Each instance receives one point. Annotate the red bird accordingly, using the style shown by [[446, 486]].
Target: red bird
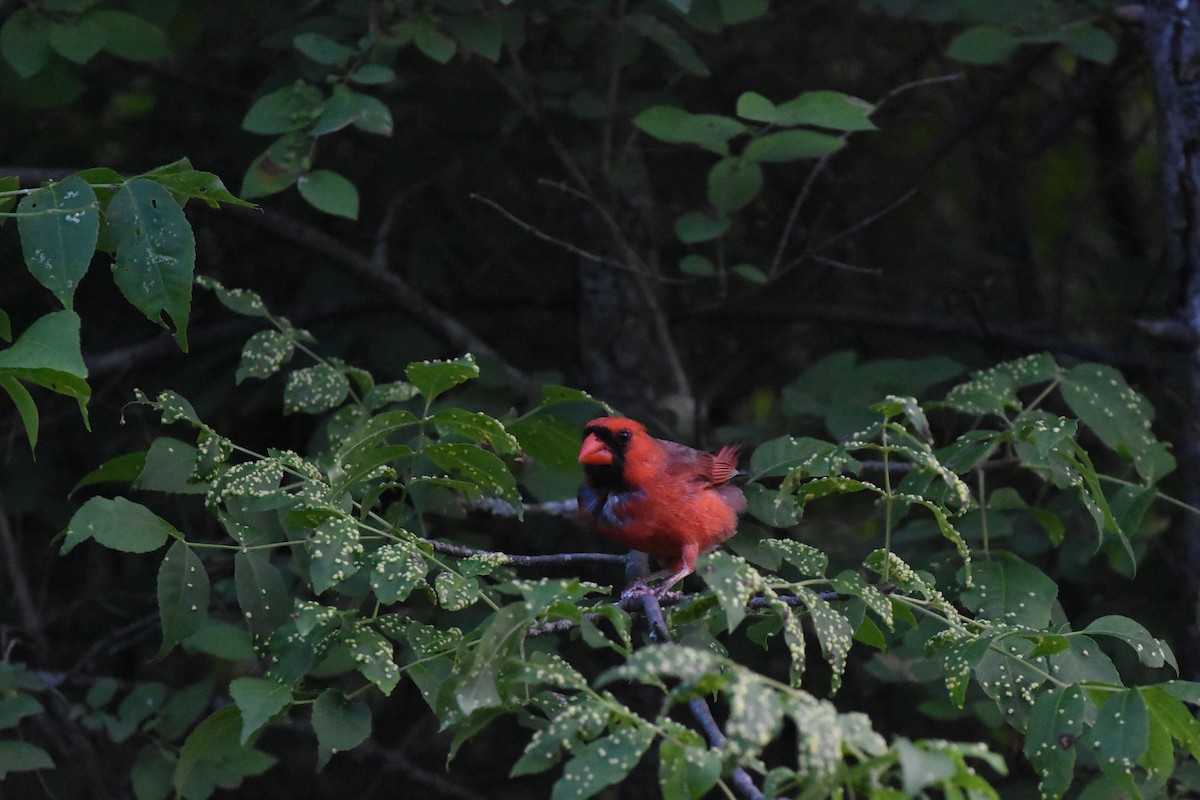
[[660, 497]]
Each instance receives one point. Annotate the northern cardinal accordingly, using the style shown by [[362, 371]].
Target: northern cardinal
[[659, 497]]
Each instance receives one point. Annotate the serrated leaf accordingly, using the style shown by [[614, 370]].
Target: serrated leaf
[[477, 427], [480, 468], [156, 253], [602, 763], [59, 226], [258, 699], [182, 595], [314, 389], [340, 724], [733, 182], [261, 592], [118, 524], [432, 378]]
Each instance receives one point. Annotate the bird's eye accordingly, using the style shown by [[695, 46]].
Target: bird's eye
[[623, 437]]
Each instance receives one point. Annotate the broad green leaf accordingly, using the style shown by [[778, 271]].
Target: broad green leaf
[[579, 721], [59, 226], [602, 763], [1169, 712], [118, 524], [167, 467], [130, 36], [372, 655], [791, 146], [480, 468], [348, 107], [340, 724], [1011, 592], [432, 42], [153, 768], [674, 45], [550, 669], [334, 550], [454, 592], [676, 126], [18, 756], [48, 354], [983, 44], [693, 667], [25, 43], [285, 110], [330, 192], [833, 632], [993, 390], [1056, 725], [777, 457], [16, 707], [755, 716], [733, 581], [222, 639], [1010, 675], [1150, 651], [686, 771], [264, 354], [258, 699], [698, 265], [278, 167], [213, 755], [821, 109], [26, 409], [477, 427], [1090, 42], [156, 253], [809, 560], [395, 570], [314, 389], [1121, 731], [261, 592], [182, 595], [478, 33], [322, 49], [549, 440], [959, 660], [697, 226], [434, 377], [733, 182]]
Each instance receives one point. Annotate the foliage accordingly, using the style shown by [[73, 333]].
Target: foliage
[[912, 524]]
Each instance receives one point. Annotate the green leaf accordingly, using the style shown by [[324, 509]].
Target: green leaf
[[334, 549], [1090, 42], [239, 301], [432, 42], [315, 389], [755, 716], [749, 272], [151, 774], [698, 265], [330, 192], [549, 440], [203, 186], [1150, 651], [129, 36], [156, 253], [602, 763], [16, 707], [25, 42], [1169, 712], [697, 226], [675, 46], [261, 592], [455, 592], [983, 44], [48, 354], [182, 595], [22, 757], [792, 146], [1121, 731], [686, 771], [1011, 592], [733, 182], [77, 40], [477, 427], [59, 226], [478, 33], [735, 12], [1052, 739], [480, 468], [833, 632], [733, 581], [373, 75], [821, 109], [213, 755], [396, 569], [809, 560], [26, 408], [264, 354], [223, 640], [118, 524], [434, 377], [348, 107], [372, 654], [340, 724], [676, 126], [167, 467], [258, 699], [994, 390], [278, 167], [285, 110], [323, 50], [579, 721]]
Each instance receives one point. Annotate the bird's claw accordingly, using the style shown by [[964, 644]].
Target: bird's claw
[[635, 590]]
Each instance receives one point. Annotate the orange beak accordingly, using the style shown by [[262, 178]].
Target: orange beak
[[594, 451]]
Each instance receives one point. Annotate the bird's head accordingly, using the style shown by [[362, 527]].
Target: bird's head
[[609, 445]]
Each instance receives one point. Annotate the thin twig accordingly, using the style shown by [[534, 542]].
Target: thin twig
[[526, 561]]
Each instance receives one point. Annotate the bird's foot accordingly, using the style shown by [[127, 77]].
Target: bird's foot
[[636, 589]]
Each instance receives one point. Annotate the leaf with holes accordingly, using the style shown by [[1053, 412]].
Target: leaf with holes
[[479, 468], [59, 225], [182, 595], [156, 253], [193, 183]]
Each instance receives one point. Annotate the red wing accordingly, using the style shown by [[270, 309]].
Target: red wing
[[698, 465]]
